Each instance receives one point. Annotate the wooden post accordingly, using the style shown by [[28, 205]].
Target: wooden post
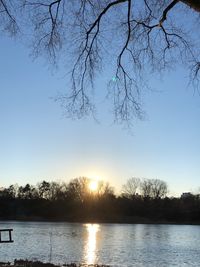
[[9, 235]]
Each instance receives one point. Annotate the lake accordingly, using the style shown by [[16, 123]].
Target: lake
[[119, 245]]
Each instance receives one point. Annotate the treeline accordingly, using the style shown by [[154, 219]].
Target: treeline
[[140, 201]]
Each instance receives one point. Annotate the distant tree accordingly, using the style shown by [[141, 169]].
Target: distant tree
[[44, 189], [104, 189], [153, 188], [146, 188], [131, 187], [77, 189], [57, 191], [159, 188], [12, 191], [135, 37], [27, 192], [75, 201]]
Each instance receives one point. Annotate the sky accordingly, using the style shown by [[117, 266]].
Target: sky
[[37, 142]]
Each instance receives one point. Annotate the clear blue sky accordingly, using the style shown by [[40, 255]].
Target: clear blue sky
[[37, 142]]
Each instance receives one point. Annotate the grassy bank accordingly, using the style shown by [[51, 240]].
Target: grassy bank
[[26, 263]]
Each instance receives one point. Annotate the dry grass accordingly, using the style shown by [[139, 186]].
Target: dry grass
[[26, 263]]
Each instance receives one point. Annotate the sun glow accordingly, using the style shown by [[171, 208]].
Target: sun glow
[[93, 185]]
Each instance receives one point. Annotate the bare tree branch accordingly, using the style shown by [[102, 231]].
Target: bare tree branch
[[135, 38], [166, 10], [8, 19]]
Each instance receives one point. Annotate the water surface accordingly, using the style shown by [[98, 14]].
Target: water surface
[[119, 245]]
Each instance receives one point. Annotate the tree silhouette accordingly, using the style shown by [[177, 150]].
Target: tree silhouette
[[136, 38], [131, 187], [153, 188], [78, 190], [74, 201], [44, 189]]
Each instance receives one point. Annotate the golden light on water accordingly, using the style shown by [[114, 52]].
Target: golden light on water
[[91, 243]]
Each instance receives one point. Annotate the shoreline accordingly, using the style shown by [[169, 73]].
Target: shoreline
[[131, 220], [27, 263]]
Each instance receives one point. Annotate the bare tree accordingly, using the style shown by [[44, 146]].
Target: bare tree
[[131, 187], [153, 188], [146, 188], [159, 188], [137, 38], [78, 189], [104, 190]]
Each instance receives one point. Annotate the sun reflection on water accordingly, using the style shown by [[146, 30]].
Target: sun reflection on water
[[90, 247]]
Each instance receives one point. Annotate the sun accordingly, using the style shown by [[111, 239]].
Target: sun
[[93, 185]]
